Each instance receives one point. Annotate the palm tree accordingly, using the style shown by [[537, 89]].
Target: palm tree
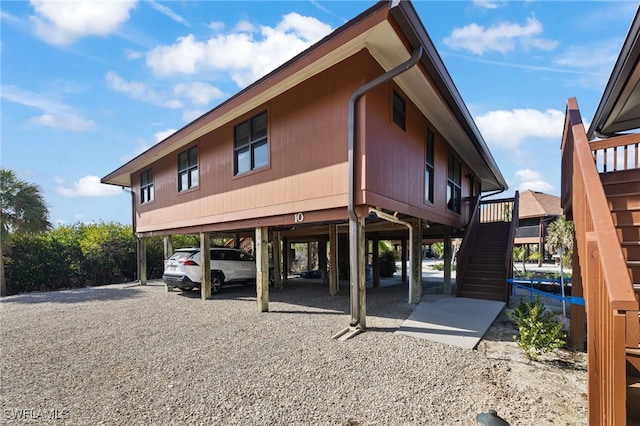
[[520, 254], [23, 210], [560, 235]]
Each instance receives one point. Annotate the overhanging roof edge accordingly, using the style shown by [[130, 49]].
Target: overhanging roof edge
[[622, 70], [407, 17]]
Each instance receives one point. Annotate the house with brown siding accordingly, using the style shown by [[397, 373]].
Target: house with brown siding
[[537, 211], [362, 136]]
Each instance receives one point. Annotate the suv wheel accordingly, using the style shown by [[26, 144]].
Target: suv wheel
[[216, 282]]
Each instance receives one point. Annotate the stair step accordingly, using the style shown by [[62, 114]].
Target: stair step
[[623, 194], [627, 224], [633, 397]]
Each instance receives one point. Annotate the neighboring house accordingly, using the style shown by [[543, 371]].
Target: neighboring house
[[601, 194], [536, 211], [364, 128]]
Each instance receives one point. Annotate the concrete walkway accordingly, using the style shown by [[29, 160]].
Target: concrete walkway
[[456, 321]]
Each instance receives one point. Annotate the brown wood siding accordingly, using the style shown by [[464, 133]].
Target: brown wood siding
[[307, 161], [395, 160]]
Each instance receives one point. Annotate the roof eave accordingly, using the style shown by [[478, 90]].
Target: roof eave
[[618, 81], [406, 16]]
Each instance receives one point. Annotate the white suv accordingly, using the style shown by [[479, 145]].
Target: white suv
[[228, 265]]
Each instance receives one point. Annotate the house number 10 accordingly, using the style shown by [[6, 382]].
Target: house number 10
[[298, 217]]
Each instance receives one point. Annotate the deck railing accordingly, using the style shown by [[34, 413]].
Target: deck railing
[[616, 154], [612, 308]]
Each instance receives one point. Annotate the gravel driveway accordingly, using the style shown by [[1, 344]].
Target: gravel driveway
[[141, 356]]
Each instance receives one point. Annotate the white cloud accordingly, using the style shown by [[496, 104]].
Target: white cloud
[[141, 146], [216, 26], [88, 186], [247, 53], [189, 115], [133, 54], [507, 129], [55, 114], [502, 37], [140, 91], [159, 136], [67, 121], [197, 92], [486, 4], [63, 22], [244, 26], [530, 179], [168, 12]]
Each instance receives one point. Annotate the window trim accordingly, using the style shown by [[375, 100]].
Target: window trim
[[251, 145], [429, 166], [402, 114], [454, 183], [188, 170], [147, 192]]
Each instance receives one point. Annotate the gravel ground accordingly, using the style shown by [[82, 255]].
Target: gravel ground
[[131, 355]]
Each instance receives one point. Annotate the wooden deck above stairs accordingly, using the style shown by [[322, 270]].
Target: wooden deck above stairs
[[485, 257]]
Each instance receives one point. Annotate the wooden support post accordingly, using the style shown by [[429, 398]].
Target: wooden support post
[[236, 240], [168, 246], [205, 265], [286, 261], [333, 259], [541, 242], [322, 259], [577, 326], [309, 263], [142, 261], [262, 268], [277, 259], [448, 255], [375, 260], [416, 261], [357, 250], [403, 259]]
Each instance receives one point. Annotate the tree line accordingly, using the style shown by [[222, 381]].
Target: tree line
[[80, 255], [34, 256]]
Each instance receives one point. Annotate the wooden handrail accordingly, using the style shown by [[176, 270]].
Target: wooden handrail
[[610, 297], [467, 242]]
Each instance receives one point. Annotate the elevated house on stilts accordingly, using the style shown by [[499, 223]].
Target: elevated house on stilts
[[363, 136]]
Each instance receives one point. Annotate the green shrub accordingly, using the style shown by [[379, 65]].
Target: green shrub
[[440, 266], [387, 263], [538, 330]]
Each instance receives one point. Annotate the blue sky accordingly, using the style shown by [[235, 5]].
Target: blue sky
[[88, 85]]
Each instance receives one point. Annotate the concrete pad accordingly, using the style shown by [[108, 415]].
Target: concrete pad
[[456, 321]]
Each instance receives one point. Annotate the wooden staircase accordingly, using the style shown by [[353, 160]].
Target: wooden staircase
[[486, 272], [622, 189]]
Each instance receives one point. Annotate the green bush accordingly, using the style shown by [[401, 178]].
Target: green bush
[[80, 255], [538, 330], [440, 266], [387, 263]]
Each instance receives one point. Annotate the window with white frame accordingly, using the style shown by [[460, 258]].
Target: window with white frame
[[146, 186]]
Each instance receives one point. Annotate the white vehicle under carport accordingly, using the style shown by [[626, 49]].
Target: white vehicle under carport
[[228, 265]]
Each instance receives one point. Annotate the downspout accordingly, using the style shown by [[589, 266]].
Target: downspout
[[394, 219], [354, 231]]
